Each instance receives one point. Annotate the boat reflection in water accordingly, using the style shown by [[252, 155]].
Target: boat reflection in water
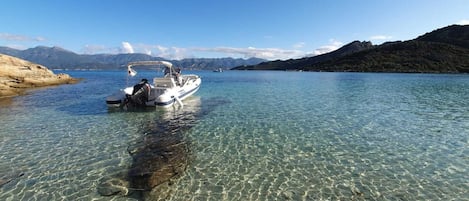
[[162, 153]]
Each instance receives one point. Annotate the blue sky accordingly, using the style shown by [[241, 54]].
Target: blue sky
[[176, 29]]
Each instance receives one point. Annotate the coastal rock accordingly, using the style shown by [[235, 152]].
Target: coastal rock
[[16, 75]]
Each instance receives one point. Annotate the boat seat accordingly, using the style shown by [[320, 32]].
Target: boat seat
[[167, 82]]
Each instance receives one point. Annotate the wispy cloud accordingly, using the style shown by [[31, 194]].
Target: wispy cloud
[[380, 37], [16, 46], [463, 22], [162, 51], [333, 45], [172, 52], [94, 49], [299, 45], [192, 52], [20, 38], [264, 53], [127, 47], [248, 52]]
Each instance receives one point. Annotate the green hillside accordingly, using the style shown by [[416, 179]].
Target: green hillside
[[444, 50]]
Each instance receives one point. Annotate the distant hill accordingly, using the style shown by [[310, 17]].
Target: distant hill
[[9, 51], [444, 50], [59, 58], [215, 63]]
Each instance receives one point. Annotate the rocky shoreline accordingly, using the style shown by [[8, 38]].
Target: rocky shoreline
[[17, 75]]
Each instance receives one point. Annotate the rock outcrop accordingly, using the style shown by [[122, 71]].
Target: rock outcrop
[[16, 75]]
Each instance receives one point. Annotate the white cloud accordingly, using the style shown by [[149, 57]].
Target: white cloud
[[299, 45], [127, 48], [22, 38], [264, 53], [161, 48], [13, 37], [39, 38], [191, 52], [380, 37], [93, 49], [164, 52], [16, 46], [173, 52], [463, 22], [333, 45]]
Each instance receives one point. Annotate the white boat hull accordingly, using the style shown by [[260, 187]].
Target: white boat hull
[[163, 93]]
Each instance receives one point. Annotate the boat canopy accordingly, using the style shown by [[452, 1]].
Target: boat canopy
[[150, 63], [132, 72]]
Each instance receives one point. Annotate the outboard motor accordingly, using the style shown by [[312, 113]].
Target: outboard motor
[[139, 95]]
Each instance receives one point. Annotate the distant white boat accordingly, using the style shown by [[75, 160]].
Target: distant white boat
[[219, 70], [165, 91]]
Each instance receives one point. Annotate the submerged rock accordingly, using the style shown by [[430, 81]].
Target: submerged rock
[[16, 75], [163, 155], [163, 152]]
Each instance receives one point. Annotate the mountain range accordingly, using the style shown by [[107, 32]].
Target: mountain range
[[59, 58], [445, 50]]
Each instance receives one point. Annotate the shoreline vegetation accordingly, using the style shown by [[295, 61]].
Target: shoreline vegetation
[[17, 76], [445, 50]]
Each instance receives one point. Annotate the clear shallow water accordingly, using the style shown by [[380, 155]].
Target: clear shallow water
[[260, 136]]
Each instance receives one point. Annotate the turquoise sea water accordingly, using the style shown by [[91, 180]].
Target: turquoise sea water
[[254, 135]]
